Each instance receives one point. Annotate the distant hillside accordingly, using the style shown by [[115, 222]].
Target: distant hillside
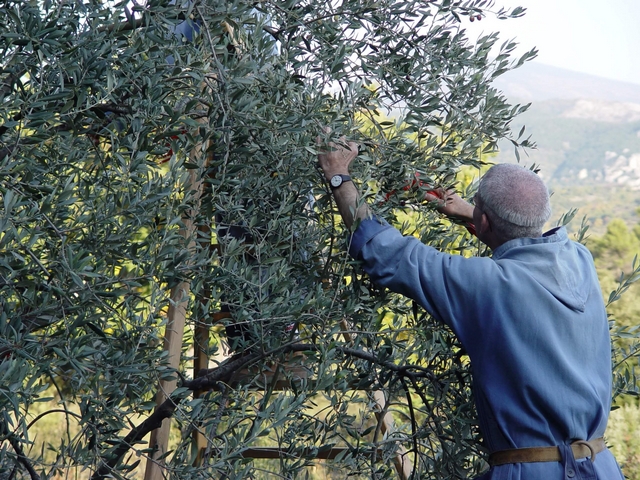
[[587, 128], [587, 131], [538, 82], [583, 142]]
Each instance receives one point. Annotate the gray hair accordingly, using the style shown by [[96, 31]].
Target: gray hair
[[516, 201]]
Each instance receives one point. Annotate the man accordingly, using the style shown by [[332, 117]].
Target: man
[[531, 318]]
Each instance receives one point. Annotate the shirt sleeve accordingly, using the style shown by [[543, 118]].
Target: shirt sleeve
[[449, 287]]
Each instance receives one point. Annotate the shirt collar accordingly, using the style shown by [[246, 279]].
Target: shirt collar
[[555, 235]]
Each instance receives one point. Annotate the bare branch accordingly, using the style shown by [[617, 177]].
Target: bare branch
[[216, 377], [221, 374], [210, 379], [22, 458], [163, 411]]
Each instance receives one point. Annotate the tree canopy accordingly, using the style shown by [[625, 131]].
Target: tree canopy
[[158, 162]]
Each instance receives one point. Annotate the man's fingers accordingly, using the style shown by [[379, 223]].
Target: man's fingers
[[437, 196], [439, 201], [341, 145], [437, 193], [322, 139]]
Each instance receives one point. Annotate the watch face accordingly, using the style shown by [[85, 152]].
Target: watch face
[[336, 181]]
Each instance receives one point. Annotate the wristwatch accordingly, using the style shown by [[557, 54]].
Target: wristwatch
[[338, 180]]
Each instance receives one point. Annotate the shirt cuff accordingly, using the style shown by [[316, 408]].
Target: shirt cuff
[[367, 229]]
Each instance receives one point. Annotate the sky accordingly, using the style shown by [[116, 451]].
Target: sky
[[598, 37]]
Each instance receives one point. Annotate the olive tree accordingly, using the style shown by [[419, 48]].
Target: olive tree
[[158, 163]]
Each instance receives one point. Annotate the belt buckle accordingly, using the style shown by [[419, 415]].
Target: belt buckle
[[592, 450]]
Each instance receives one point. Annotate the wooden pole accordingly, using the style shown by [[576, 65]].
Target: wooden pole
[[174, 331], [402, 462]]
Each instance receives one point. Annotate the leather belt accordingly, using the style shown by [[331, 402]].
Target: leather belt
[[581, 449]]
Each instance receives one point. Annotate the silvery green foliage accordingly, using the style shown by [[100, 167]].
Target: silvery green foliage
[[107, 108]]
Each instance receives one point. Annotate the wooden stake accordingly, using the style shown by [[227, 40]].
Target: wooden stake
[[174, 332], [173, 345], [402, 462]]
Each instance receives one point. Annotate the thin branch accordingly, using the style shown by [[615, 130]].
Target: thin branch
[[218, 377], [133, 24], [22, 458], [275, 33], [209, 379], [122, 26], [163, 411], [56, 410], [414, 432]]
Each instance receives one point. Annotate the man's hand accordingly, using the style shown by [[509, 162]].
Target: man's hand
[[451, 204], [335, 158]]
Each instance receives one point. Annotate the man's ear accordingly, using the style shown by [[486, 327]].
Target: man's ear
[[485, 224], [485, 219]]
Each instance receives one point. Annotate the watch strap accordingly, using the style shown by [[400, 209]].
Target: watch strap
[[344, 178]]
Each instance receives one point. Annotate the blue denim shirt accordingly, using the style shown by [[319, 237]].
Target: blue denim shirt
[[533, 322]]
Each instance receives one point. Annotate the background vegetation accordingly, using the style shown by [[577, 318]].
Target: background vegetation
[[616, 255]]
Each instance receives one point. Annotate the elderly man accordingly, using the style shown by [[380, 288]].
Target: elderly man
[[531, 318]]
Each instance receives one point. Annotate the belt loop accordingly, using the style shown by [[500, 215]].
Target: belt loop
[[568, 462], [574, 470]]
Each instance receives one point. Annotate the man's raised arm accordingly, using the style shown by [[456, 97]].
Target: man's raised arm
[[334, 159]]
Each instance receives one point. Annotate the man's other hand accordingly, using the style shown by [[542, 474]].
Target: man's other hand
[[451, 204]]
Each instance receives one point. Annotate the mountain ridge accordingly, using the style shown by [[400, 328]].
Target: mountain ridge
[[536, 81]]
